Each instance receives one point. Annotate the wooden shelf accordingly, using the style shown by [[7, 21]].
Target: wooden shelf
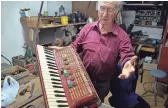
[[31, 22], [59, 25], [148, 26], [147, 15], [142, 5], [145, 20]]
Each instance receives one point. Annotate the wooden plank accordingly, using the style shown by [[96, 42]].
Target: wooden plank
[[21, 75], [32, 21], [148, 49], [34, 97], [59, 25]]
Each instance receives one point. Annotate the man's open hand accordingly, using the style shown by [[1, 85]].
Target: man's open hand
[[129, 68]]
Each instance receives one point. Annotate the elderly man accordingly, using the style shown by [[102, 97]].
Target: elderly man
[[101, 43]]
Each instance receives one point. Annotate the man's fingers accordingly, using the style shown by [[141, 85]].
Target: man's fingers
[[133, 60], [54, 47], [121, 76]]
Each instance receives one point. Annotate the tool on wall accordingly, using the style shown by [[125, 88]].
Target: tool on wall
[[36, 30]]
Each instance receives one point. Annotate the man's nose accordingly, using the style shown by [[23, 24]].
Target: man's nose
[[105, 14]]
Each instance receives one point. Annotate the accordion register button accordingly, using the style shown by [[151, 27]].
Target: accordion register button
[[68, 67], [69, 83], [65, 58], [70, 72], [72, 78], [74, 84], [66, 63], [65, 73]]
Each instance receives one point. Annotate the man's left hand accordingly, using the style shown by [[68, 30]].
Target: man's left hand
[[129, 68]]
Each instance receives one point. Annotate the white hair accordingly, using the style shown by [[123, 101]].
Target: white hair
[[120, 5]]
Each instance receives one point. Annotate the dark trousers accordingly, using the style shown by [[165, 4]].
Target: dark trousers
[[123, 93]]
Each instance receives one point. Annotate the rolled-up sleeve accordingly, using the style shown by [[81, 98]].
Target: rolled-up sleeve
[[125, 49], [77, 44]]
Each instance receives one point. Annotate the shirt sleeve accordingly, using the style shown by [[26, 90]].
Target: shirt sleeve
[[125, 49], [77, 44]]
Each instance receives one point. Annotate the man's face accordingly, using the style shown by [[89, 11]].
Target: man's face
[[107, 12]]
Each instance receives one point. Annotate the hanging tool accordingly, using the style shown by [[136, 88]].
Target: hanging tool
[[36, 32]]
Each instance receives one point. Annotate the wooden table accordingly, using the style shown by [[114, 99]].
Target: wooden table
[[20, 100]]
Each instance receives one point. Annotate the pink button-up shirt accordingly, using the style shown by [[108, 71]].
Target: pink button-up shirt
[[100, 52]]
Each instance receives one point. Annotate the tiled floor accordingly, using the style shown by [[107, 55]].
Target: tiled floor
[[149, 97]]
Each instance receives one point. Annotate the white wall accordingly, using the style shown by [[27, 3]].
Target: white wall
[[12, 38], [53, 6]]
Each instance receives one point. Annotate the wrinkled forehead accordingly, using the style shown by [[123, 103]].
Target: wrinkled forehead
[[112, 4]]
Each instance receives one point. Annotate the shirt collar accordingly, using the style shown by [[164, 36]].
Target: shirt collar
[[114, 28]]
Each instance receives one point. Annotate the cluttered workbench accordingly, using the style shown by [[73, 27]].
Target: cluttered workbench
[[36, 100]]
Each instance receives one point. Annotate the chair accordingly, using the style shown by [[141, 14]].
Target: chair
[[156, 74]]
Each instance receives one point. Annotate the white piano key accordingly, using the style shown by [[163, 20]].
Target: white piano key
[[53, 86], [53, 93], [53, 89], [52, 106], [55, 103], [47, 76], [56, 99], [51, 74], [44, 69], [51, 96], [50, 84], [51, 81]]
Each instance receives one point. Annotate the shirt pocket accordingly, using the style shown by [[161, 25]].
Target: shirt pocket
[[91, 46], [108, 55]]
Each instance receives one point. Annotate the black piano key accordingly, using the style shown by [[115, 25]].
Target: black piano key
[[62, 105], [51, 65], [57, 91], [48, 50], [54, 68], [50, 59], [56, 83], [48, 53], [61, 101], [55, 79], [57, 86], [54, 75], [58, 95], [50, 62], [53, 72]]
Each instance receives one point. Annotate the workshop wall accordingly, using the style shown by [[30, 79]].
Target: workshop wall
[[82, 6], [128, 18], [11, 28], [53, 6]]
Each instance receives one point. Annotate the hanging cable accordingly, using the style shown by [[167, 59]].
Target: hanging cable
[[7, 60]]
